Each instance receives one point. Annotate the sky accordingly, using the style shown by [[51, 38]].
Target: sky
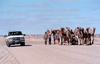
[[37, 16]]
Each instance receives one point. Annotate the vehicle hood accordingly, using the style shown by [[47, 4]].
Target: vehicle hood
[[15, 36]]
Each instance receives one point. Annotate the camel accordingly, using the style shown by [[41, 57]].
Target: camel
[[65, 35], [54, 34], [76, 31], [91, 34], [86, 36], [79, 35], [84, 32]]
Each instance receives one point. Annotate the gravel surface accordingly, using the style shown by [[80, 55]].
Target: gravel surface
[[35, 52]]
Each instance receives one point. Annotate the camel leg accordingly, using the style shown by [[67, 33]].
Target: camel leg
[[89, 40], [92, 39], [82, 41], [54, 41], [61, 40], [69, 41], [79, 41], [85, 40]]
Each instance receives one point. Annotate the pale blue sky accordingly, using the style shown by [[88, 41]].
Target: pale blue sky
[[36, 16]]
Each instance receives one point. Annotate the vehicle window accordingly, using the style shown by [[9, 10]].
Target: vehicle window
[[14, 33]]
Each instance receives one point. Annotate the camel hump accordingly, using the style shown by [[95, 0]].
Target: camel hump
[[76, 32], [85, 31], [90, 31], [65, 30], [80, 34]]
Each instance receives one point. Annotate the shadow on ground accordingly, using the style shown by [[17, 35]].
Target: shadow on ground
[[19, 45]]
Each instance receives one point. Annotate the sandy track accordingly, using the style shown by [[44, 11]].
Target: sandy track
[[55, 54], [6, 57], [50, 54]]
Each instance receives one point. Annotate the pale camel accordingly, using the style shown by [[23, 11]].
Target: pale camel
[[80, 36], [78, 32]]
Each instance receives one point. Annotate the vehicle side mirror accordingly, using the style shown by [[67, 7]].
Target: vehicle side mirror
[[5, 35], [24, 34]]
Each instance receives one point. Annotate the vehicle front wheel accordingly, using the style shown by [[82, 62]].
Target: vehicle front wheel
[[22, 44], [8, 44]]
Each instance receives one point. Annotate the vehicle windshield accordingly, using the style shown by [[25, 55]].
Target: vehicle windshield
[[14, 33]]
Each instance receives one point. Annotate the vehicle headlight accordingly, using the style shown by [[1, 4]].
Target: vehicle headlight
[[10, 39], [21, 38]]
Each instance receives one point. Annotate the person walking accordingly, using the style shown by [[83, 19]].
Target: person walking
[[49, 36], [57, 37], [45, 37]]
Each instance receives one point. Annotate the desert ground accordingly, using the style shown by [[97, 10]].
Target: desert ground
[[36, 52]]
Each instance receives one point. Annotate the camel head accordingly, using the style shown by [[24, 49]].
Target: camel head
[[62, 29], [77, 27], [87, 29], [94, 29], [52, 31], [68, 29], [48, 31], [82, 30]]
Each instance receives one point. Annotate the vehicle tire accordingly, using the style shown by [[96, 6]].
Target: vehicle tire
[[8, 44], [22, 44]]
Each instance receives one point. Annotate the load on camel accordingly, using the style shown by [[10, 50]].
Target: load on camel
[[78, 37], [67, 36]]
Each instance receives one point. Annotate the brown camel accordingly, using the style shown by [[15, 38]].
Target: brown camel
[[91, 34], [65, 35], [86, 36], [54, 34]]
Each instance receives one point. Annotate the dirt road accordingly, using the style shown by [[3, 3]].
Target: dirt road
[[34, 53]]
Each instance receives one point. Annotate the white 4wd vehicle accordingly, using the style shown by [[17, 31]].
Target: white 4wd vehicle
[[15, 37]]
